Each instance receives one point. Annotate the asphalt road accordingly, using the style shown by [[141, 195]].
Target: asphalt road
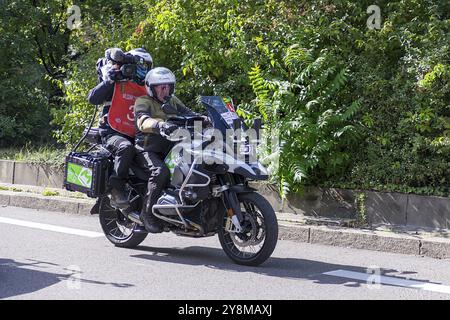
[[37, 263]]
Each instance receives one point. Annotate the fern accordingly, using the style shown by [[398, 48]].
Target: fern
[[339, 80], [300, 172], [284, 187], [320, 81], [260, 89], [352, 110], [297, 57], [306, 112], [312, 103], [305, 75], [349, 130]]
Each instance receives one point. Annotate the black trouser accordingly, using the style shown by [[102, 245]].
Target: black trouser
[[124, 151], [159, 176]]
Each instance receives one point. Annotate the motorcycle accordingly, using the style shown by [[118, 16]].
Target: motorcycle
[[209, 190]]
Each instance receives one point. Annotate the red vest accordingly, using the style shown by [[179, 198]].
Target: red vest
[[121, 112]]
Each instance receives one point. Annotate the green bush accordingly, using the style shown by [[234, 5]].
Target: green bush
[[33, 45], [399, 74]]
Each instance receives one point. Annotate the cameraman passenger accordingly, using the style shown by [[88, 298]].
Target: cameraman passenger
[[117, 131]]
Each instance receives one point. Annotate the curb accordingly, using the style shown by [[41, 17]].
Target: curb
[[430, 246], [47, 203]]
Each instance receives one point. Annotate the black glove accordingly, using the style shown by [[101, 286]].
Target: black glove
[[115, 74], [167, 128], [206, 122]]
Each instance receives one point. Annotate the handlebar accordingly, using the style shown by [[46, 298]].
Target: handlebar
[[184, 122], [188, 121], [185, 119]]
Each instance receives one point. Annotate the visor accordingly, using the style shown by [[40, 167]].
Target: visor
[[141, 71]]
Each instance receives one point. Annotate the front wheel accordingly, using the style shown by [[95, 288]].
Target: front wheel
[[118, 230], [256, 243]]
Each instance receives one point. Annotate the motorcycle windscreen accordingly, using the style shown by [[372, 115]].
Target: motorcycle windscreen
[[222, 114]]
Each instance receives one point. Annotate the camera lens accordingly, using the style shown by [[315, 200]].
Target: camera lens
[[128, 70]]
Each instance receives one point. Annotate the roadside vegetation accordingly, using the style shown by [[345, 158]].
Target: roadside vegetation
[[43, 154], [353, 107]]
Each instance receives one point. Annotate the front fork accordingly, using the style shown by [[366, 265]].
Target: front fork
[[234, 214]]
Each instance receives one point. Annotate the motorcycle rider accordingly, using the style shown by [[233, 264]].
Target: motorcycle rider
[[119, 143], [151, 146]]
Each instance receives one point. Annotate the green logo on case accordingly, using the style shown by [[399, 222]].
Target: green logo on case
[[79, 175]]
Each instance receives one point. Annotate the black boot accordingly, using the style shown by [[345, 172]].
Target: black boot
[[151, 223], [119, 199]]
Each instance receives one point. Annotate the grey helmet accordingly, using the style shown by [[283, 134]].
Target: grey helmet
[[143, 64], [158, 76], [142, 53]]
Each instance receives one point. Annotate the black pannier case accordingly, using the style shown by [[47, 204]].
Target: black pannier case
[[87, 173]]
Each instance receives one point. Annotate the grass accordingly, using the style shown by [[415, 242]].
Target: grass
[[14, 189], [46, 154], [48, 192]]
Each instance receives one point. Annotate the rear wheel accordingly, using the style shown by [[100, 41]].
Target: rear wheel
[[118, 229], [256, 242]]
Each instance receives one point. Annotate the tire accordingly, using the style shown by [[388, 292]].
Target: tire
[[265, 231], [118, 229]]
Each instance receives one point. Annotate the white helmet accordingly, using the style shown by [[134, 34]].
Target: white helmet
[[158, 76]]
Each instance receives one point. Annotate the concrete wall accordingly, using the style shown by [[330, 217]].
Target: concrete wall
[[19, 172], [6, 171], [387, 208]]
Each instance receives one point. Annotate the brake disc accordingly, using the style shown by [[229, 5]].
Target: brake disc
[[250, 237]]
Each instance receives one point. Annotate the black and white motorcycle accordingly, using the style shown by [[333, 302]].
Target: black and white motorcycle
[[208, 194]]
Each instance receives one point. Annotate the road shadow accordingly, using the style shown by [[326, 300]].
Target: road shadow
[[289, 268], [17, 278]]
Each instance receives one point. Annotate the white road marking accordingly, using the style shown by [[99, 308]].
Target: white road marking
[[42, 226], [390, 280]]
